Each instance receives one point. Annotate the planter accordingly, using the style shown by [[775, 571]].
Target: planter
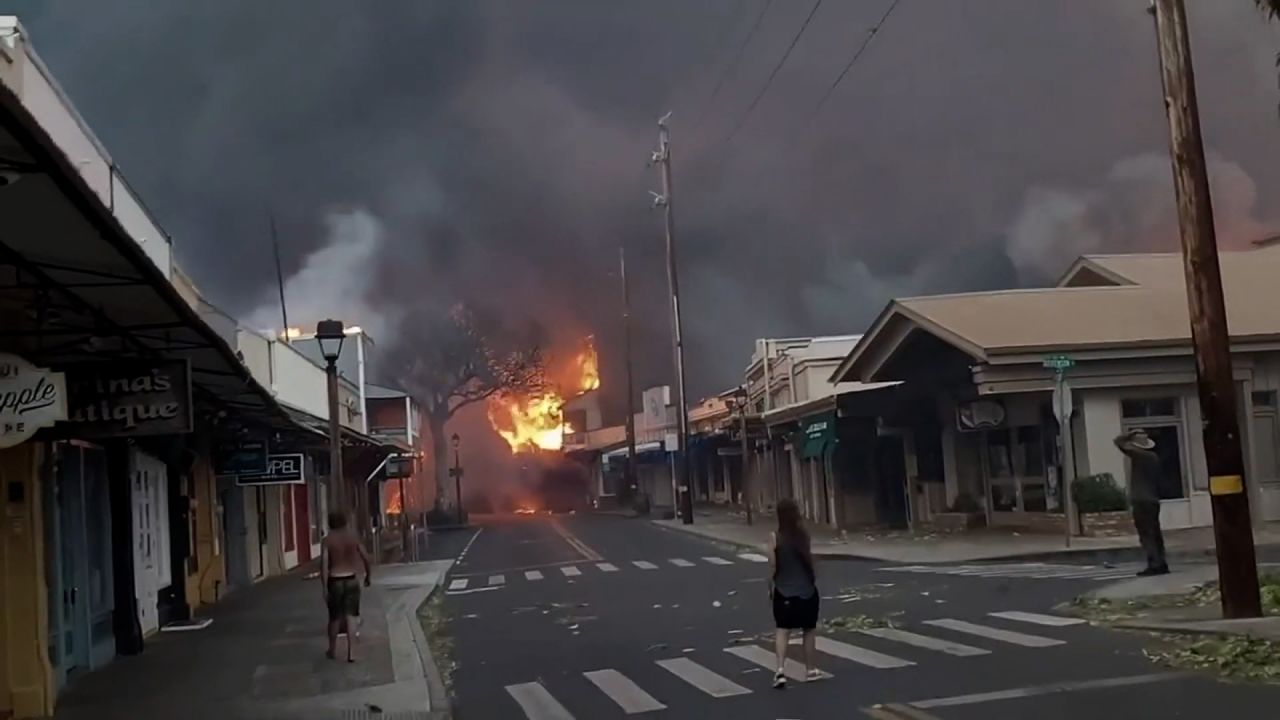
[[957, 521], [1104, 524]]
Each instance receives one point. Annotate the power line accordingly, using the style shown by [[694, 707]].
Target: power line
[[794, 41], [861, 49], [732, 65]]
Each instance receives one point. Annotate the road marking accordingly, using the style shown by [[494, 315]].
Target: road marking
[[497, 579], [1054, 688], [607, 567], [897, 711], [532, 575], [644, 565], [1037, 619], [579, 546], [537, 703], [754, 557], [906, 568], [472, 590], [862, 656], [680, 563], [924, 641], [717, 560], [467, 547], [698, 676], [570, 571], [765, 659], [622, 691], [459, 584], [1008, 636]]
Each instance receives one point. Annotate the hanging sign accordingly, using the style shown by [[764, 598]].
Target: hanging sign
[[282, 469], [30, 398], [241, 457], [127, 398], [979, 415]]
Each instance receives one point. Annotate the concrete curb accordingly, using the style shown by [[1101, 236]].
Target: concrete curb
[[441, 708]]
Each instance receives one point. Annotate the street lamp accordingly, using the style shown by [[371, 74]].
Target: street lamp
[[330, 335], [457, 477], [740, 399]]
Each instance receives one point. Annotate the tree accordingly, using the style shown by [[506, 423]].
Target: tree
[[455, 359], [1270, 7]]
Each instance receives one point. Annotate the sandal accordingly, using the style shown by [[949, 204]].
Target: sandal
[[812, 675], [779, 679]]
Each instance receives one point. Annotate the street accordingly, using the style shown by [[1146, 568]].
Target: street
[[557, 617]]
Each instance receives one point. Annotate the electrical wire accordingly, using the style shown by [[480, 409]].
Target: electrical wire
[[728, 70], [858, 54], [742, 121]]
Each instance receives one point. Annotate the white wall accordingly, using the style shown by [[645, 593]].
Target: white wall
[[255, 352], [297, 381]]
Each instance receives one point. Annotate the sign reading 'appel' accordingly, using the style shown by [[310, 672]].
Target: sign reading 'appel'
[[30, 398]]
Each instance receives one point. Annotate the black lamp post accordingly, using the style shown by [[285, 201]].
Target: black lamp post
[[457, 478], [740, 399], [330, 334]]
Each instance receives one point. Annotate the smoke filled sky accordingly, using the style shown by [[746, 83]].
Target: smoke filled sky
[[494, 150]]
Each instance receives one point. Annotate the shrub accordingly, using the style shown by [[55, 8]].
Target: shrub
[[1098, 493], [965, 504]]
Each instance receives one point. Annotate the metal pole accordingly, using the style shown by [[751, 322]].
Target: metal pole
[[1068, 461], [746, 458], [337, 489], [457, 484], [630, 476], [663, 157], [1232, 525], [404, 522]]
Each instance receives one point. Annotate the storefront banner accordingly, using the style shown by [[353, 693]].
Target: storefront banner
[[818, 433], [30, 398], [127, 398], [282, 469]]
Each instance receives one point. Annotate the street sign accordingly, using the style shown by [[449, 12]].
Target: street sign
[[282, 469], [1058, 362]]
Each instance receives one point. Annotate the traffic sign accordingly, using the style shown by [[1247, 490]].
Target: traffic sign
[[1058, 362]]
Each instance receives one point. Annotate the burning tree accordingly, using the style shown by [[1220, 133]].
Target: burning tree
[[456, 362]]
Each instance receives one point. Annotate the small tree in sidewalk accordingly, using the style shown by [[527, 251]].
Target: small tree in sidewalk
[[457, 358]]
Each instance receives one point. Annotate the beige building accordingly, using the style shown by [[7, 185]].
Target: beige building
[[976, 360]]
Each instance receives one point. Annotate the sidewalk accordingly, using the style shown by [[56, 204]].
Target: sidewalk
[[263, 657], [930, 548]]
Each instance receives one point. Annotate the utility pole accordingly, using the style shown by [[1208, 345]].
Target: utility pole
[[1232, 526], [662, 157], [746, 455], [630, 476]]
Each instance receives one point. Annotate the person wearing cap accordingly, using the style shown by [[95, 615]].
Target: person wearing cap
[[1144, 497]]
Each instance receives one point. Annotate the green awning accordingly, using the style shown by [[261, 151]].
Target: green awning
[[819, 431]]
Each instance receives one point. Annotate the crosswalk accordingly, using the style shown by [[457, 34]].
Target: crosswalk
[[710, 671], [1041, 571], [462, 584]]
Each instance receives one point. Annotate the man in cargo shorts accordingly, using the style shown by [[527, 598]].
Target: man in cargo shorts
[[341, 556]]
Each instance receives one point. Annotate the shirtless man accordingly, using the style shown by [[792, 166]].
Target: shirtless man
[[341, 555]]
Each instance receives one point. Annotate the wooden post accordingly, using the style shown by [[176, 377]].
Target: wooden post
[[1232, 526]]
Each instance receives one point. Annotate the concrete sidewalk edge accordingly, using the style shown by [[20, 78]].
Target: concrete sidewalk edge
[[438, 694], [1247, 627]]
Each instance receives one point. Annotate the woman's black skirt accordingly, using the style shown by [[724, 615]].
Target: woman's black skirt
[[793, 613]]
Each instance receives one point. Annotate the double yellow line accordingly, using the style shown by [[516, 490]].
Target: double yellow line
[[897, 711], [579, 546]]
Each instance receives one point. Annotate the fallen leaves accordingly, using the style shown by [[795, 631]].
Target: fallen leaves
[[1243, 658]]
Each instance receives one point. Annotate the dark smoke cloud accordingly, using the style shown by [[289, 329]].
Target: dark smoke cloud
[[494, 149]]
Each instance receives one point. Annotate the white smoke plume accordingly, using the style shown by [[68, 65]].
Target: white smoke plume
[[333, 281], [1131, 210]]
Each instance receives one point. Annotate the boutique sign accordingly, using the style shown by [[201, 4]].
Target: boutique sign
[[125, 398], [30, 398]]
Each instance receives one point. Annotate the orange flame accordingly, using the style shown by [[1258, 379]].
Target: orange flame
[[394, 505], [588, 366], [529, 423]]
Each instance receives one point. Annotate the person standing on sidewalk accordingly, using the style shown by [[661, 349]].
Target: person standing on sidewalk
[[1144, 497], [341, 556], [792, 589]]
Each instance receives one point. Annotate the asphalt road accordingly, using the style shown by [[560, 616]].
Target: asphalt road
[[597, 617]]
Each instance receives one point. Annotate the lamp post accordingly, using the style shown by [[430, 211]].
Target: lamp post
[[457, 477], [330, 334], [740, 399]]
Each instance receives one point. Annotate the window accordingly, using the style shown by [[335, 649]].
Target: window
[[1030, 452], [1159, 417], [1266, 436], [998, 458], [1166, 407]]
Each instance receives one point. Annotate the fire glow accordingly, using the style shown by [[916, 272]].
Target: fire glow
[[536, 422]]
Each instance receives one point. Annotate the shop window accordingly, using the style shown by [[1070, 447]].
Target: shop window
[[1030, 452], [1164, 407], [1266, 436], [999, 460], [1159, 417]]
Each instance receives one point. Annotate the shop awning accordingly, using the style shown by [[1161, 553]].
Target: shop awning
[[818, 432]]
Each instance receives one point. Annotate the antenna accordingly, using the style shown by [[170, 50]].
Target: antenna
[[275, 245]]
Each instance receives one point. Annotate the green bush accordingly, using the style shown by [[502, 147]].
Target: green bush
[[965, 504], [1098, 493]]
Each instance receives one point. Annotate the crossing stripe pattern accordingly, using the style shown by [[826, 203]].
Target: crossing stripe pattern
[[459, 584], [1039, 571], [497, 579], [644, 565], [533, 575], [538, 703], [570, 571], [680, 562], [607, 567]]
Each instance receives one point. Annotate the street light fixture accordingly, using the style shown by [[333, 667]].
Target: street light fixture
[[457, 477], [330, 334], [740, 399]]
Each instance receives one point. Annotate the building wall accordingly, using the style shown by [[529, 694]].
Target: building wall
[[26, 681], [209, 579], [297, 381]]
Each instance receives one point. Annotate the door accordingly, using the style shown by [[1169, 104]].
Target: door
[[235, 532], [891, 471], [288, 528], [69, 619], [302, 522], [145, 544]]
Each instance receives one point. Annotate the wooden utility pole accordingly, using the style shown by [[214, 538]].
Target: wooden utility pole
[[684, 491], [746, 452], [630, 479], [1232, 526]]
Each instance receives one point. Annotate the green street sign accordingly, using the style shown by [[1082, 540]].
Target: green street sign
[[1058, 362]]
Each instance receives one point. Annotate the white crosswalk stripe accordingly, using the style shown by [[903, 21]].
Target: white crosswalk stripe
[[759, 656], [570, 571], [753, 557], [533, 575], [497, 579], [924, 641], [862, 656], [644, 565], [715, 685], [1037, 618], [537, 703], [624, 692], [459, 584], [991, 633], [607, 567], [717, 560], [680, 563]]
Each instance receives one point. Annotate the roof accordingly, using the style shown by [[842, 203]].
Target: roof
[[1126, 301], [372, 391]]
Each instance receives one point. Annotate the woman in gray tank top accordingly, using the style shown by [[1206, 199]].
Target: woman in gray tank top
[[792, 589]]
